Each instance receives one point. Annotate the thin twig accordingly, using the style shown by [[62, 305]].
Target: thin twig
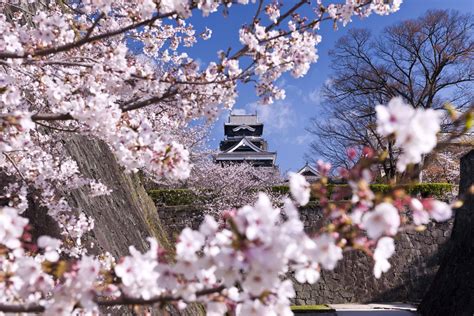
[[56, 128], [14, 165]]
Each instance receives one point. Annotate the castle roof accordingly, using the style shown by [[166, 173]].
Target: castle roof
[[245, 144], [243, 119], [309, 171]]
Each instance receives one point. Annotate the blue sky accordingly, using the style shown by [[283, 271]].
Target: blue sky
[[285, 121]]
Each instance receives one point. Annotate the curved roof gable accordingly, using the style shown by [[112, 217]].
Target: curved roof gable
[[238, 128], [245, 142], [308, 169]]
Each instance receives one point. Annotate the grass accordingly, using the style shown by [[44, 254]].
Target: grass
[[311, 308]]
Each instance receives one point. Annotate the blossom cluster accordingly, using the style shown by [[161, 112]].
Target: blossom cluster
[[224, 186], [344, 12], [70, 68], [415, 129], [237, 264], [209, 258]]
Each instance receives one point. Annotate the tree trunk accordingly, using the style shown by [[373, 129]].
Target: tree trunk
[[452, 291]]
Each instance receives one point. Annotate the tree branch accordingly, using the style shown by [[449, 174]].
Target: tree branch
[[34, 308], [86, 39]]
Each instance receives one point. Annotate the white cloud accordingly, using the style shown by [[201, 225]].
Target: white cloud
[[303, 139], [278, 117], [314, 97], [328, 82]]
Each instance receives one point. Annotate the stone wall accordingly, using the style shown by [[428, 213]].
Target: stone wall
[[176, 218], [413, 266], [125, 217]]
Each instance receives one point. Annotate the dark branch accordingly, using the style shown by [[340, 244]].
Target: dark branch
[[33, 308]]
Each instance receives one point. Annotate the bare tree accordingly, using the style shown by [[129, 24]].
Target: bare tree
[[428, 61]]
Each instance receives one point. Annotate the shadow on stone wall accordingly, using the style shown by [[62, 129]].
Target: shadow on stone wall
[[416, 288], [414, 264]]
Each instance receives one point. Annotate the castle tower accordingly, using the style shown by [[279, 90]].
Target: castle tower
[[243, 142]]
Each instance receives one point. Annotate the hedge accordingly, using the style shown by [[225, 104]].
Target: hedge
[[310, 309], [174, 197], [436, 190]]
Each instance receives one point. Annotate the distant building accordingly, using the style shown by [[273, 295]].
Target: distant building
[[243, 142], [310, 173]]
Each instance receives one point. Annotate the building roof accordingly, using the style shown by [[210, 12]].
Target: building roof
[[254, 152], [243, 119], [244, 126], [308, 170], [247, 155], [244, 142]]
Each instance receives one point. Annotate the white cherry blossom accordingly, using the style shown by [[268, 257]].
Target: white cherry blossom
[[51, 247], [138, 272], [309, 273], [189, 242], [327, 253], [440, 211], [299, 188], [415, 129], [11, 227], [385, 249], [384, 219], [393, 117], [420, 215], [422, 211], [216, 309]]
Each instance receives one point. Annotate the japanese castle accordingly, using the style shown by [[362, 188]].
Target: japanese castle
[[243, 142]]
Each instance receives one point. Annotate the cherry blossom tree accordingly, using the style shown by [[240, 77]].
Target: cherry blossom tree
[[66, 68], [219, 186], [233, 185]]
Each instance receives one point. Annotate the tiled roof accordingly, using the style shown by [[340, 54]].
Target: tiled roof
[[247, 119]]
